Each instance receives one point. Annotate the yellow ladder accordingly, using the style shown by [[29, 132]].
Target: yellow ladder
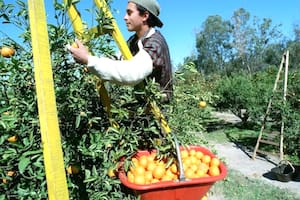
[[50, 134]]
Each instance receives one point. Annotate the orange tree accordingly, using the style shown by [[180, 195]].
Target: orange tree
[[92, 147], [252, 94]]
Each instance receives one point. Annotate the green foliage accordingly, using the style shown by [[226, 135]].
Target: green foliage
[[89, 141], [248, 96], [243, 43], [190, 88]]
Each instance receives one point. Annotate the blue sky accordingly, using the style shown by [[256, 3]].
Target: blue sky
[[182, 19]]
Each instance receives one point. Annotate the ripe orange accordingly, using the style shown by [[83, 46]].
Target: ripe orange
[[73, 169], [173, 168], [199, 154], [189, 173], [154, 180], [192, 152], [135, 162], [111, 173], [130, 177], [139, 170], [7, 52], [167, 178], [140, 179], [159, 171], [204, 167], [206, 159], [12, 138], [214, 171], [148, 176], [215, 162], [151, 166], [184, 154], [200, 173], [10, 173], [202, 104], [74, 45], [143, 161]]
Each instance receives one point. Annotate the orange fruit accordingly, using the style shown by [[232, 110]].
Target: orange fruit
[[202, 104], [154, 180], [74, 45], [193, 159], [151, 166], [200, 173], [184, 154], [4, 180], [159, 171], [148, 176], [12, 138], [111, 173], [199, 155], [10, 173], [7, 52], [173, 168], [214, 171], [135, 162], [189, 173], [206, 159], [143, 161], [139, 170], [167, 178], [215, 162], [140, 179], [192, 152], [73, 169], [130, 177], [204, 167], [194, 167]]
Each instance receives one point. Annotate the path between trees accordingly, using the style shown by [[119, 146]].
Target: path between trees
[[240, 159]]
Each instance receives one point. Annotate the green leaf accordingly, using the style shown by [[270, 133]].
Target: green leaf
[[78, 119], [24, 162]]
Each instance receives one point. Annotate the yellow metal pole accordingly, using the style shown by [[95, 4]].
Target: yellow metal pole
[[52, 151]]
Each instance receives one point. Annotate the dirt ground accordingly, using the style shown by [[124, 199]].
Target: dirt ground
[[240, 159]]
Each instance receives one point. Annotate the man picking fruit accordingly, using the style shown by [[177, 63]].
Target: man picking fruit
[[150, 51]]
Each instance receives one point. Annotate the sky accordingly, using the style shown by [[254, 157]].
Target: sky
[[183, 19]]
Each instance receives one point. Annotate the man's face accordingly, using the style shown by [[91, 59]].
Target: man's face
[[133, 19]]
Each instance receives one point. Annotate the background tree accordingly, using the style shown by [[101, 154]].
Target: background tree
[[213, 45]]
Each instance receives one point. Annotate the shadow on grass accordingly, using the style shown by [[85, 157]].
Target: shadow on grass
[[243, 135]]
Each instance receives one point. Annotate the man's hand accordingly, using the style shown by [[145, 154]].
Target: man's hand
[[80, 53]]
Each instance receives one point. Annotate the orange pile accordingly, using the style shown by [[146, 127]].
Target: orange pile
[[146, 169]]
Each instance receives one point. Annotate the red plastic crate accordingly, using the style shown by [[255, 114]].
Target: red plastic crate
[[193, 189]]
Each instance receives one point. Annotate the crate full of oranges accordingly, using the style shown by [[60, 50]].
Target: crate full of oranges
[[153, 178]]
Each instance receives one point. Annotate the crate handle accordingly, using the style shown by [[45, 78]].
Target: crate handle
[[288, 163], [180, 165]]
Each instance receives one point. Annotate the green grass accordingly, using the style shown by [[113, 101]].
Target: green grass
[[236, 187]]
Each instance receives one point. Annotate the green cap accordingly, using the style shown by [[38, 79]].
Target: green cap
[[152, 6]]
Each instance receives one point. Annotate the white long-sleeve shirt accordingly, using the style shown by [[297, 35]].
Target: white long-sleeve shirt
[[128, 72]]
